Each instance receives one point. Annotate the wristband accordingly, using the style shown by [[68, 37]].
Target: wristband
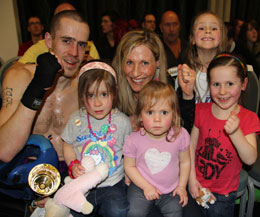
[[44, 76], [32, 97], [72, 163]]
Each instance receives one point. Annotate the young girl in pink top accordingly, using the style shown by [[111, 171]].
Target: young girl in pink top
[[223, 136], [156, 157]]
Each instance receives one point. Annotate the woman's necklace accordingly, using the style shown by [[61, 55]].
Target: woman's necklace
[[94, 134]]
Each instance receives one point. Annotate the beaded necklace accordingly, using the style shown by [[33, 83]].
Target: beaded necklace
[[94, 134]]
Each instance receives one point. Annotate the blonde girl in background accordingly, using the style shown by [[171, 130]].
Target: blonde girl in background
[[208, 37]]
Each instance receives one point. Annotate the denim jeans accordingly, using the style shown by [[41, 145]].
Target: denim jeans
[[140, 207], [192, 209], [108, 201], [223, 207]]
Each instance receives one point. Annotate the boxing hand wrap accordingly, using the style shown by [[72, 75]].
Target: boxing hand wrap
[[45, 73]]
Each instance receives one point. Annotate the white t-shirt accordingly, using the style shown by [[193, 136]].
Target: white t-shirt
[[202, 88]]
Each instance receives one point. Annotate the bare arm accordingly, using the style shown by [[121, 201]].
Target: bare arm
[[15, 119], [70, 155], [27, 90], [245, 145], [184, 167], [194, 185], [184, 158], [132, 172]]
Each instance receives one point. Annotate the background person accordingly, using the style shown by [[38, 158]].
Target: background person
[[175, 46], [248, 45], [34, 51], [237, 24], [230, 36], [35, 28], [149, 22], [106, 44], [207, 38]]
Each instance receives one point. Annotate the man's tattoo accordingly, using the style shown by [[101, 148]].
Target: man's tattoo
[[7, 96]]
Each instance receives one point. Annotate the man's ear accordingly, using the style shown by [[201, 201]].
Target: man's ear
[[244, 84], [48, 40]]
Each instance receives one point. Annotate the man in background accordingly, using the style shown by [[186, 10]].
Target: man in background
[[175, 47], [34, 51], [149, 22], [35, 28]]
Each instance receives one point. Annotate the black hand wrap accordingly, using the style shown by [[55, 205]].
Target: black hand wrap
[[45, 73]]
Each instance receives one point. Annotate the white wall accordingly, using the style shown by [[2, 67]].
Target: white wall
[[9, 27]]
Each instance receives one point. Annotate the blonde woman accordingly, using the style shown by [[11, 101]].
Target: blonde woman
[[140, 58]]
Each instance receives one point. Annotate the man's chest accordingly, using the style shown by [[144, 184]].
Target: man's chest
[[55, 112]]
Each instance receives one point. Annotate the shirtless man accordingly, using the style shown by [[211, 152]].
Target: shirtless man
[[35, 50], [22, 111]]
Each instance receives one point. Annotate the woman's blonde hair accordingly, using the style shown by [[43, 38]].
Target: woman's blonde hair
[[193, 59], [132, 39], [151, 94]]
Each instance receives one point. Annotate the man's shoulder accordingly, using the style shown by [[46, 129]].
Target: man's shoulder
[[19, 70]]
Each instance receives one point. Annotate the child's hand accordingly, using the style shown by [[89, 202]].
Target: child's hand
[[181, 191], [186, 80], [194, 187], [151, 193], [77, 170], [232, 123], [127, 180]]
